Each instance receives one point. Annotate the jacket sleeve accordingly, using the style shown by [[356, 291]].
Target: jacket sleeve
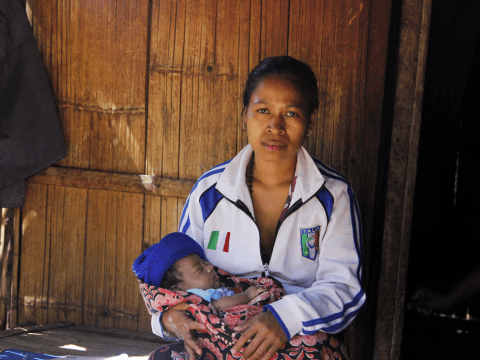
[[331, 303], [191, 221]]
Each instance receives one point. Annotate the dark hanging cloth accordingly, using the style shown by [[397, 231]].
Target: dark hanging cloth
[[31, 138]]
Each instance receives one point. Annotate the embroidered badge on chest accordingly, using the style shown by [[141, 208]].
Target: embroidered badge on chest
[[219, 240], [309, 240]]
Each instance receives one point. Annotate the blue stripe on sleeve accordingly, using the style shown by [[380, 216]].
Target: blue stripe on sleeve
[[357, 232], [208, 201], [186, 226], [326, 199], [215, 170], [336, 316]]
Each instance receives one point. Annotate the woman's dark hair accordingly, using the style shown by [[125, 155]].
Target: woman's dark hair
[[296, 71], [171, 278]]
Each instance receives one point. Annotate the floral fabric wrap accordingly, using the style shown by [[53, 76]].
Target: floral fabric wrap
[[219, 336]]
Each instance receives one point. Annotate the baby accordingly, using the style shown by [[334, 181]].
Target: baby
[[178, 263]]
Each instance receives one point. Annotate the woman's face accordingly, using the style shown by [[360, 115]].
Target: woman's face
[[277, 119]]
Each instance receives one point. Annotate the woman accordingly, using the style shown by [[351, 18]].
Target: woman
[[275, 211]]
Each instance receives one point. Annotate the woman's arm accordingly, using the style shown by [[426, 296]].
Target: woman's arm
[[332, 301]]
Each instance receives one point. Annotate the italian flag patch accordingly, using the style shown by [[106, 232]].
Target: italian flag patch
[[219, 240]]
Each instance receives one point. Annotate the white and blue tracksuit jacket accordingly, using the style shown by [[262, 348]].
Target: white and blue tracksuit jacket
[[318, 248]]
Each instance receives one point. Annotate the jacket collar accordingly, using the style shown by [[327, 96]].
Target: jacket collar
[[232, 182]]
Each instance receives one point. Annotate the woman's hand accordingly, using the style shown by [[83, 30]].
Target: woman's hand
[[176, 321], [267, 337]]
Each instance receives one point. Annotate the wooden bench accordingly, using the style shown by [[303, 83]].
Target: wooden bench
[[67, 339]]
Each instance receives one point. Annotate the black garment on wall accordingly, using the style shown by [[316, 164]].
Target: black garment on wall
[[31, 138]]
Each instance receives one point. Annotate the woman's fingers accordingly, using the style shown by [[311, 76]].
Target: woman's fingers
[[190, 351], [248, 332], [270, 353], [267, 337], [176, 321]]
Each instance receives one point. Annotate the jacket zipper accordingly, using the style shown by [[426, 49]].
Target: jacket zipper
[[239, 204], [265, 270]]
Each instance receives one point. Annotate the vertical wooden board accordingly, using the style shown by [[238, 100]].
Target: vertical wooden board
[[159, 45], [32, 252], [56, 292], [94, 256], [227, 35], [121, 250], [191, 126], [327, 81], [207, 84], [244, 43], [62, 44], [340, 89], [171, 126], [7, 240], [255, 38], [173, 92], [168, 22], [99, 285], [3, 268], [316, 144], [131, 21], [157, 110], [53, 52], [73, 251], [128, 247], [13, 320], [134, 234], [107, 319], [294, 31], [169, 215], [274, 28], [354, 63], [305, 44]]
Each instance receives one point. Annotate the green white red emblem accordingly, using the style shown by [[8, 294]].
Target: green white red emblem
[[309, 240]]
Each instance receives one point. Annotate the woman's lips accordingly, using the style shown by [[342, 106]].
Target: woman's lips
[[274, 146]]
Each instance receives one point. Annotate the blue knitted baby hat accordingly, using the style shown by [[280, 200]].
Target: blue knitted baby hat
[[151, 266]]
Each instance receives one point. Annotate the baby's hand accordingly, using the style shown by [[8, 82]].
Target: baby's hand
[[254, 291]]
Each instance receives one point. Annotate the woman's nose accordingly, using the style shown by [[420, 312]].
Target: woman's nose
[[276, 124]]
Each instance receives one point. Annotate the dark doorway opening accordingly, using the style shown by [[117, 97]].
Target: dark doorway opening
[[446, 218]]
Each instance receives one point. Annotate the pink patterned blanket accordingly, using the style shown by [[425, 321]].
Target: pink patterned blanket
[[219, 336]]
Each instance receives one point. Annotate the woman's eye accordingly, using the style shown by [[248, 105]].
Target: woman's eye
[[262, 111], [291, 113]]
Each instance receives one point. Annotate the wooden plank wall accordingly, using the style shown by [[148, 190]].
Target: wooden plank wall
[[154, 88]]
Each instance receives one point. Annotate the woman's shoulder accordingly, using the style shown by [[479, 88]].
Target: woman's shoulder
[[334, 180], [210, 177]]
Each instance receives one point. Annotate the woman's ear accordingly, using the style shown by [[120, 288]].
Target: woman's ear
[[311, 122], [244, 118]]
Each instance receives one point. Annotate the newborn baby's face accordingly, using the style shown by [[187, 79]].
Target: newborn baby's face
[[196, 273]]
